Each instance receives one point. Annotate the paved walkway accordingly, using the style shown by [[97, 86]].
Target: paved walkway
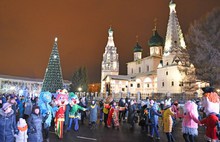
[[124, 134]]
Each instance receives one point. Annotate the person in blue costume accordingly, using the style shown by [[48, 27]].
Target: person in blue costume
[[46, 111]]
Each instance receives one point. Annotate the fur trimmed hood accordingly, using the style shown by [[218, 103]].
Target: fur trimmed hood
[[2, 113]]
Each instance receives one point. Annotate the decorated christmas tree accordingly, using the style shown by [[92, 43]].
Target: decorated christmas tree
[[53, 79]]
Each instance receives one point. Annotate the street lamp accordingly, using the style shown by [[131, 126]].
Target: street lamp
[[80, 89]]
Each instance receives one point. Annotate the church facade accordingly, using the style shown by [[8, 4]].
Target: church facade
[[167, 70]]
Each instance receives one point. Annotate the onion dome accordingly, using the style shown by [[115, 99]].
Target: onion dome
[[156, 39], [138, 48]]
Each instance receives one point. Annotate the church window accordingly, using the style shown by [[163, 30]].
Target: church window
[[131, 85], [181, 84], [167, 63], [108, 57], [131, 70], [162, 84], [138, 85], [172, 83], [148, 85], [148, 68], [123, 89], [166, 72], [139, 69]]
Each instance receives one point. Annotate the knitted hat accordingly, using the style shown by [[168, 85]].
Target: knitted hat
[[5, 106]]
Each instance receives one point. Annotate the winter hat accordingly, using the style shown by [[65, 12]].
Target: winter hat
[[22, 125], [5, 106], [208, 89], [21, 122], [167, 106]]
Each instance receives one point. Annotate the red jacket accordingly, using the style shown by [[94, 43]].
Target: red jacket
[[210, 123]]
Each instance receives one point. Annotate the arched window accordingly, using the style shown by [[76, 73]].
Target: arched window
[[172, 83]]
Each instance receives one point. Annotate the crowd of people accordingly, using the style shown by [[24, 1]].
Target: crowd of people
[[23, 118]]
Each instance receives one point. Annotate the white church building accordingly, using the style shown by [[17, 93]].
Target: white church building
[[166, 70]]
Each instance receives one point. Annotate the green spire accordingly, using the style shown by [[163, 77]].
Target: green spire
[[53, 79]]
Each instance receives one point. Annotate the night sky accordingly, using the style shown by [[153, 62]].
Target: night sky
[[28, 29]]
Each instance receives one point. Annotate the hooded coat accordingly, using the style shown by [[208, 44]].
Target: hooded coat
[[8, 127], [93, 113], [35, 128]]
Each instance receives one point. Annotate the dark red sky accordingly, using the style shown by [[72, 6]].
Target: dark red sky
[[28, 29]]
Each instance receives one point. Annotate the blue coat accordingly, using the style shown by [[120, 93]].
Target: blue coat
[[93, 113], [8, 127], [35, 128], [131, 113], [28, 107], [154, 115]]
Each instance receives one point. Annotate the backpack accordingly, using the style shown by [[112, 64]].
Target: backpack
[[148, 115]]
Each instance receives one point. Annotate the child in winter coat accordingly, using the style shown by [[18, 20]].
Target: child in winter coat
[[22, 134]]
